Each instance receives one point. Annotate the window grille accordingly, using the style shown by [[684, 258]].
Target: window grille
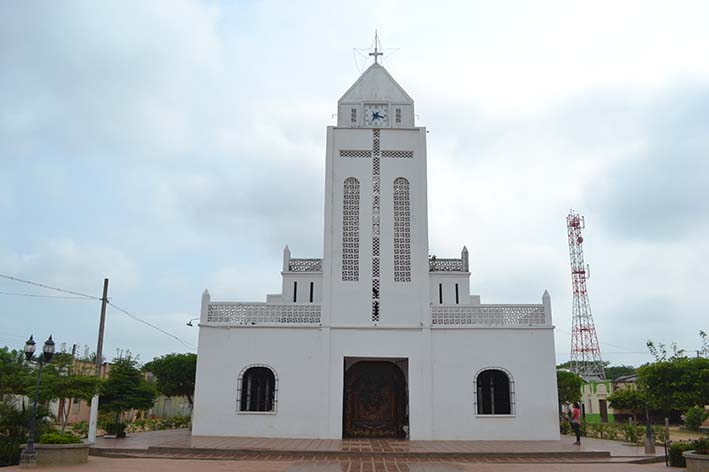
[[398, 115], [359, 154], [398, 154], [257, 389], [402, 231], [353, 117], [350, 231], [494, 392]]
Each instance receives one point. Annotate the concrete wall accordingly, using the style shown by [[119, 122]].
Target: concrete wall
[[441, 366], [527, 354]]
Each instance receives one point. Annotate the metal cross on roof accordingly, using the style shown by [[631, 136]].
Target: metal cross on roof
[[376, 52]]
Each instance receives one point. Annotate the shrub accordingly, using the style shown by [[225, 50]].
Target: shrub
[[116, 429], [632, 433], [81, 428], [13, 430], [694, 418], [154, 424], [55, 437], [676, 450], [9, 451], [701, 446], [565, 427]]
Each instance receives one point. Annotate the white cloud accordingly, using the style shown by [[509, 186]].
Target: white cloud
[[177, 145]]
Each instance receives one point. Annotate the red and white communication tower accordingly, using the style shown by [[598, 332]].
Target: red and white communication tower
[[585, 351]]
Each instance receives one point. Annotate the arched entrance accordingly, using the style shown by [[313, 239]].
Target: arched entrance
[[375, 403]]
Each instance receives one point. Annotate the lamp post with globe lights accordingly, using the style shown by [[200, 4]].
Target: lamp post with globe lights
[[29, 457]]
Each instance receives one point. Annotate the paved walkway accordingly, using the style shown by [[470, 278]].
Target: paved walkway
[[169, 465], [182, 439], [363, 455]]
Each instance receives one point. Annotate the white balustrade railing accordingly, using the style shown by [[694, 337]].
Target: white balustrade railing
[[305, 265], [263, 313], [488, 315], [446, 265], [441, 315]]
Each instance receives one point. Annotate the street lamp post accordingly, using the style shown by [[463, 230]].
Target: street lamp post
[[29, 456]]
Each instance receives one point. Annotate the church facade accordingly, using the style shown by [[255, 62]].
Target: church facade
[[376, 339]]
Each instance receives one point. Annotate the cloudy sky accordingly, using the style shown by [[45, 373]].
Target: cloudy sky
[[178, 145]]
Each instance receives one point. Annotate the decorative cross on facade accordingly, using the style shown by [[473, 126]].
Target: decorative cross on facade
[[376, 52]]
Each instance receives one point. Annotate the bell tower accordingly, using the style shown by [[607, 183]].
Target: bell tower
[[376, 223]]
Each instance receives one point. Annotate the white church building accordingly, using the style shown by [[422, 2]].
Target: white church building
[[376, 339]]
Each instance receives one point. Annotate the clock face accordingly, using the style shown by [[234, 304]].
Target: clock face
[[376, 115]]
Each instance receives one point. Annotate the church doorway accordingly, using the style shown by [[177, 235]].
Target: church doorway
[[375, 403]]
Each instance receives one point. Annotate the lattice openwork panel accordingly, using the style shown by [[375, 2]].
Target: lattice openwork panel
[[398, 154], [256, 313], [350, 230], [360, 154], [305, 265], [445, 265], [402, 231], [488, 315], [376, 228]]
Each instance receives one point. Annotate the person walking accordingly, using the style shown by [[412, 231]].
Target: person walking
[[575, 413]]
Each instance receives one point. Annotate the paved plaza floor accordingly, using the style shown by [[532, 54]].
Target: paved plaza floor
[[178, 450], [105, 464], [180, 440]]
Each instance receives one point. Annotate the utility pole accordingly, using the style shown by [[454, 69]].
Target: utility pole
[[99, 349]]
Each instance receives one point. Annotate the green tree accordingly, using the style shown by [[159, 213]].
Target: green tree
[[629, 399], [569, 386], [15, 372], [175, 374], [615, 371], [62, 379], [126, 389], [675, 384]]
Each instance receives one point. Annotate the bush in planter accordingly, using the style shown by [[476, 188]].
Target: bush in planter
[[9, 451], [116, 429], [55, 437], [701, 446], [13, 430], [676, 450]]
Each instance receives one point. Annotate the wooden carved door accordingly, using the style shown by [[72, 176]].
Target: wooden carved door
[[374, 401]]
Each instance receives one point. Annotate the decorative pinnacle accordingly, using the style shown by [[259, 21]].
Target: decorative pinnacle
[[376, 52]]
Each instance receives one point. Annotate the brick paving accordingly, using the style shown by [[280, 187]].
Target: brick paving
[[104, 464], [181, 442]]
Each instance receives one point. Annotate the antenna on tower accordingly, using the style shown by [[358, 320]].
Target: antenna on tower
[[585, 350]]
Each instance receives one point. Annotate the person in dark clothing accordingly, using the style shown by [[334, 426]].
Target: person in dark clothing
[[575, 413]]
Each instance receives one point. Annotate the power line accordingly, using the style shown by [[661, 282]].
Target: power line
[[35, 295], [49, 287], [180, 340]]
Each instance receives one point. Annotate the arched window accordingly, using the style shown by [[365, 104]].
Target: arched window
[[402, 231], [257, 389], [350, 230], [494, 392]]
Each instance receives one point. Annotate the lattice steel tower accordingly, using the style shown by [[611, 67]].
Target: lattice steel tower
[[585, 351]]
